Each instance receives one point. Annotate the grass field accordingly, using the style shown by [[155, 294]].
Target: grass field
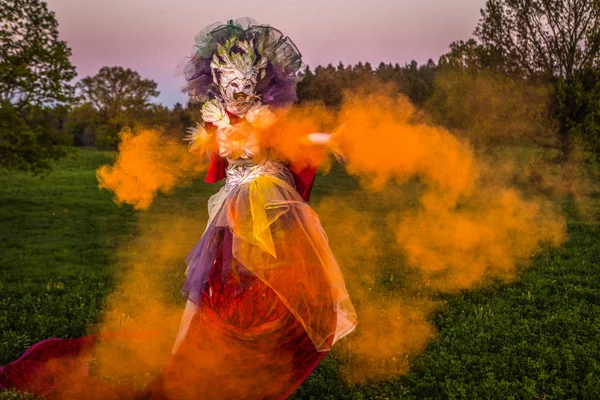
[[535, 338]]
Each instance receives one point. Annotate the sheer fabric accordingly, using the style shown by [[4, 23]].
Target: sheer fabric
[[278, 238]]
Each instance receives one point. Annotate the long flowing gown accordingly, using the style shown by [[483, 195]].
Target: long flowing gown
[[267, 295]]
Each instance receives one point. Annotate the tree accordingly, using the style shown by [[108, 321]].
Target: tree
[[122, 97], [557, 42], [417, 81], [34, 64], [28, 139], [491, 109], [470, 57], [82, 124], [35, 72], [181, 118], [547, 38], [577, 108], [304, 90], [115, 89]]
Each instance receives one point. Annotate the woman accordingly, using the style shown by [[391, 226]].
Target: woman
[[265, 296]]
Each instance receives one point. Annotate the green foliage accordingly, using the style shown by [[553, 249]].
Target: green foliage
[[470, 57], [577, 108], [34, 65], [492, 109], [182, 118], [89, 127], [35, 72], [14, 395], [116, 98], [327, 85], [541, 42], [416, 81], [59, 234], [82, 124], [121, 97], [116, 90], [536, 338], [30, 139]]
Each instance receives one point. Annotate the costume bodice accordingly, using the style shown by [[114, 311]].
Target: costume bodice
[[243, 172]]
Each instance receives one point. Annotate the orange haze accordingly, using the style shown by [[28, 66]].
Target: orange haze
[[430, 217]]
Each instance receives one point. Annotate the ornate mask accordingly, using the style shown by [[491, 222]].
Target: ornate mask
[[235, 70]]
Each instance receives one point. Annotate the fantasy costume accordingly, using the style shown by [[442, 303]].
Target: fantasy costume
[[266, 297]]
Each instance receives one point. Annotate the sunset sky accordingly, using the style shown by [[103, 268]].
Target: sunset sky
[[154, 36]]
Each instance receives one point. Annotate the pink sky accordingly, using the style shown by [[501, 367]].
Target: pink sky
[[153, 36]]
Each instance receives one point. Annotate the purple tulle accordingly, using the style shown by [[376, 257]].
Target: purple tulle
[[278, 89], [213, 248], [201, 260], [200, 81], [284, 62]]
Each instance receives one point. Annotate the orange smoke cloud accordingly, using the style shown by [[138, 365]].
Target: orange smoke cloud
[[393, 325], [451, 225], [148, 163], [457, 247], [382, 143], [465, 223], [435, 217], [289, 136], [146, 300]]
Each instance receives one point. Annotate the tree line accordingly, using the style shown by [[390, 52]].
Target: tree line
[[531, 73]]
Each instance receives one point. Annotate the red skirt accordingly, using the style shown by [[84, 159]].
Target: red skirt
[[240, 345]]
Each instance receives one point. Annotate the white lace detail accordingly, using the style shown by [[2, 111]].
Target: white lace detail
[[238, 174]]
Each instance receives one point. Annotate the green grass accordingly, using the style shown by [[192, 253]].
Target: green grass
[[58, 236], [536, 338]]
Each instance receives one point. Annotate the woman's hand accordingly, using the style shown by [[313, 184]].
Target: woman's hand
[[325, 139], [319, 138]]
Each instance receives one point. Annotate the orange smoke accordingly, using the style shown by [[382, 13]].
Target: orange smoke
[[145, 308], [452, 225], [147, 163], [393, 325], [434, 217], [458, 247], [289, 136], [382, 143], [465, 223]]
